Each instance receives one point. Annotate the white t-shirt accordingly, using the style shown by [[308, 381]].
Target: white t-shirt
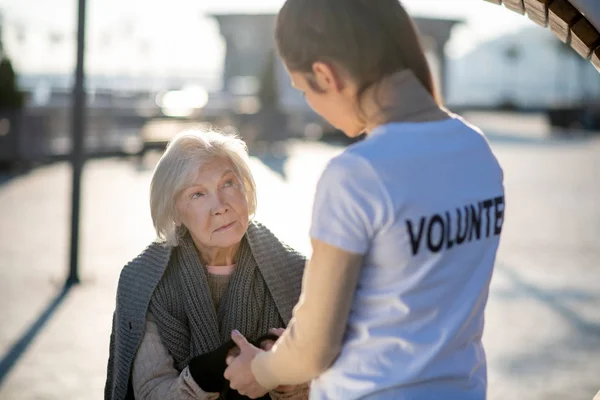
[[424, 204]]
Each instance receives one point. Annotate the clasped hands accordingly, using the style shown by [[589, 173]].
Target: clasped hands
[[239, 361]]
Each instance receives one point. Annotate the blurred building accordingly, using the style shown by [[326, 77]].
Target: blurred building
[[530, 69], [119, 104], [250, 43]]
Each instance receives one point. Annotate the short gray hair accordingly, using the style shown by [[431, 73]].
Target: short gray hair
[[185, 154]]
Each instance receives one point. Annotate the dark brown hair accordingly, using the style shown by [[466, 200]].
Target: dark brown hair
[[371, 39]]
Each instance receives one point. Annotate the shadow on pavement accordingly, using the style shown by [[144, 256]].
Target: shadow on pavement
[[13, 355], [553, 299], [5, 178], [564, 353], [8, 175]]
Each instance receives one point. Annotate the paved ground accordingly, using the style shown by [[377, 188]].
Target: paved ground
[[543, 320]]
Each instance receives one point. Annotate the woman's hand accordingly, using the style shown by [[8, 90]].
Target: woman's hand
[[239, 372]]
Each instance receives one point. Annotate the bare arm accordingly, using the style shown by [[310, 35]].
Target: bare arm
[[313, 338]]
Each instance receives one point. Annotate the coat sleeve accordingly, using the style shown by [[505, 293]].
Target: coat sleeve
[[154, 375], [108, 387]]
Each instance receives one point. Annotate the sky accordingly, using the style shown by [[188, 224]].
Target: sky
[[178, 36]]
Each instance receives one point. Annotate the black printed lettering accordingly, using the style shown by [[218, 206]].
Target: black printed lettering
[[415, 241], [499, 214], [449, 242], [435, 247], [460, 236], [475, 222], [487, 204], [448, 229]]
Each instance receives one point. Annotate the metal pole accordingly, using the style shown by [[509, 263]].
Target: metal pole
[[77, 151]]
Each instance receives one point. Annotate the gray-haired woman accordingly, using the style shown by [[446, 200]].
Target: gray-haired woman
[[212, 270]]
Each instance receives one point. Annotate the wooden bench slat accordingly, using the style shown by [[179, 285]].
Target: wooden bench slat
[[596, 59], [561, 17], [584, 38], [537, 11], [565, 21], [515, 5]]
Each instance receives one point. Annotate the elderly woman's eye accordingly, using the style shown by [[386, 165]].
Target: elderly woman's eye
[[228, 183], [197, 195]]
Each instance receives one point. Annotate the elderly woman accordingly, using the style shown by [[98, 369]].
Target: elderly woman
[[213, 270]]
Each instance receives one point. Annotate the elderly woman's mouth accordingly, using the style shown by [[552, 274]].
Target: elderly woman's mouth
[[225, 227]]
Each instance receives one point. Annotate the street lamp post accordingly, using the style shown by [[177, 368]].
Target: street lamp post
[[77, 151]]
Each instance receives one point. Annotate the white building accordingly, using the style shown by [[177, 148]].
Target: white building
[[528, 69]]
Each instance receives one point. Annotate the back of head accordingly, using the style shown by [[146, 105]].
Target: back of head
[[371, 39]]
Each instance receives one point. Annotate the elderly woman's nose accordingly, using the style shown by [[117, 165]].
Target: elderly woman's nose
[[220, 205]]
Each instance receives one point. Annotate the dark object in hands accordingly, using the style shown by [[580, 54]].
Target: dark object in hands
[[208, 369]]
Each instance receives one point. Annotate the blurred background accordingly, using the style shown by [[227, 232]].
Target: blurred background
[[154, 68]]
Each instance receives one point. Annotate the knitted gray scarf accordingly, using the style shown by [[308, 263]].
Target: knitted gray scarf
[[268, 271], [189, 323]]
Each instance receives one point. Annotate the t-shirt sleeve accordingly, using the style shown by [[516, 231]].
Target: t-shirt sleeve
[[350, 204]]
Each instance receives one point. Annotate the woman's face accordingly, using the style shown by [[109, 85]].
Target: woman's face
[[336, 99], [213, 207]]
